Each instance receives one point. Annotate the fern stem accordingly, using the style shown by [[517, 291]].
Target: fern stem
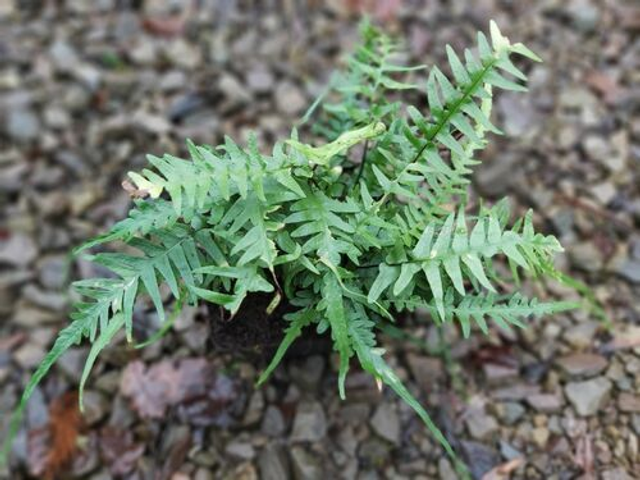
[[362, 162]]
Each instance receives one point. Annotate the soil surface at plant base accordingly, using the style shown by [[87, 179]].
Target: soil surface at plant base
[[256, 334], [88, 87]]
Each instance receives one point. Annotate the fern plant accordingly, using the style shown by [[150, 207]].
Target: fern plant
[[350, 241]]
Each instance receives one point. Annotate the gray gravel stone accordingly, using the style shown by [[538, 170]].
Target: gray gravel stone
[[630, 271], [520, 116], [96, 406], [290, 99], [305, 465], [581, 336], [604, 192], [273, 423], [260, 80], [511, 412], [445, 470], [582, 364], [310, 423], [273, 463], [22, 125], [19, 250], [308, 373], [386, 422], [240, 449], [586, 256], [546, 403], [589, 396], [480, 424]]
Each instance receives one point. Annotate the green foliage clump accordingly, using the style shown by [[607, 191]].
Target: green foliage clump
[[350, 241]]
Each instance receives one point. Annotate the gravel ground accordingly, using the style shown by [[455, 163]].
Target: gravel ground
[[88, 87]]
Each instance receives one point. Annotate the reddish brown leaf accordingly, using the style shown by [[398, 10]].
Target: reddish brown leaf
[[65, 423], [51, 449], [164, 384]]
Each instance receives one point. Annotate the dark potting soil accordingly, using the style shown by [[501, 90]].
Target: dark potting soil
[[254, 333]]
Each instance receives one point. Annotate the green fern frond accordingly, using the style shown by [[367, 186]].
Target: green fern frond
[[143, 219], [343, 241]]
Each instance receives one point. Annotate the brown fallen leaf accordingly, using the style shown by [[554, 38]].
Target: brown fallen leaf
[[503, 471], [152, 390], [51, 449]]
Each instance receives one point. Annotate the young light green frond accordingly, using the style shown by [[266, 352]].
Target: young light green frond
[[322, 155]]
